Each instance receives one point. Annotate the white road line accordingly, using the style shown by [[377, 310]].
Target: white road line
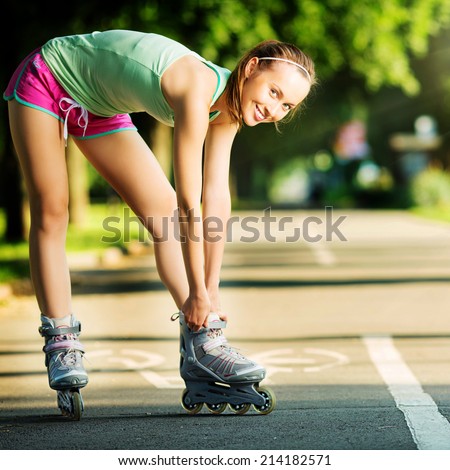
[[430, 430], [322, 252], [324, 256], [160, 381]]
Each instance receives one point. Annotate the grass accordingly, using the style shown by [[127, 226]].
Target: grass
[[441, 214], [106, 225]]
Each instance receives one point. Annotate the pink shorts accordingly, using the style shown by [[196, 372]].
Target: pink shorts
[[33, 85]]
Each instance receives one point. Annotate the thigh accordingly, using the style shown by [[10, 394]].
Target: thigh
[[37, 138], [128, 164]]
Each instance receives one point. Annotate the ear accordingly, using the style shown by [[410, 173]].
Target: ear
[[251, 66]]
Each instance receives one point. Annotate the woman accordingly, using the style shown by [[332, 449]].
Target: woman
[[90, 83]]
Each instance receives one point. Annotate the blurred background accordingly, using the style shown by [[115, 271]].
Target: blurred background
[[374, 134]]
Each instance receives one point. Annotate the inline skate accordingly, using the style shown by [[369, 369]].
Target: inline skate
[[217, 375], [63, 359]]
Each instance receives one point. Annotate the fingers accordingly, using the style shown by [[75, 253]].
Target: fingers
[[223, 316], [195, 322], [194, 327], [196, 318]]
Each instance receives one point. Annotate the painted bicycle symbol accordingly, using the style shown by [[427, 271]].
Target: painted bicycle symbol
[[276, 361]]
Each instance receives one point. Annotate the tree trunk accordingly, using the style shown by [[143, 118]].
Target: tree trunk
[[11, 183]]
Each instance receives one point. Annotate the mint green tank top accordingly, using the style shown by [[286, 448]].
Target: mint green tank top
[[119, 71]]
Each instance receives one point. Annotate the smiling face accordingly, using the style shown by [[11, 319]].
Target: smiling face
[[270, 93]]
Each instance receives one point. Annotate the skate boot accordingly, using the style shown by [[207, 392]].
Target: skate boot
[[63, 359], [217, 375]]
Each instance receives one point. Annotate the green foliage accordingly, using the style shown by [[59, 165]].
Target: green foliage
[[289, 183], [431, 188], [433, 213], [351, 42], [14, 256], [373, 40]]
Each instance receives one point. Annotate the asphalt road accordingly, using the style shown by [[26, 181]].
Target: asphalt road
[[354, 333]]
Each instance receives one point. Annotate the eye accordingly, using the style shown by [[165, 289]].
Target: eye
[[274, 92], [287, 107]]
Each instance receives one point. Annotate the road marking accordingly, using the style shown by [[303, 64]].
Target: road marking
[[429, 428], [339, 359], [323, 255], [160, 381], [276, 360]]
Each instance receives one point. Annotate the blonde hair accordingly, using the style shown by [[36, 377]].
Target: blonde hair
[[266, 51]]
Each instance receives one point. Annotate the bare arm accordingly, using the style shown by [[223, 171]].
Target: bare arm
[[189, 94], [216, 204]]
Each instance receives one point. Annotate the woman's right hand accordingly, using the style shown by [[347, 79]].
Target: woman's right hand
[[196, 310]]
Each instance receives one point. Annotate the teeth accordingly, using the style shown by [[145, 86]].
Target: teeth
[[259, 113]]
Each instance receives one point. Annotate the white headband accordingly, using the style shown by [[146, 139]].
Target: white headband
[[289, 62]]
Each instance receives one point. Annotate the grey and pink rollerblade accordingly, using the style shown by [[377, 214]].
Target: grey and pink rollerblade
[[217, 375], [63, 358]]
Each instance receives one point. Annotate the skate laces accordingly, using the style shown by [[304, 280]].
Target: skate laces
[[65, 336], [215, 333], [67, 358], [65, 347], [218, 340]]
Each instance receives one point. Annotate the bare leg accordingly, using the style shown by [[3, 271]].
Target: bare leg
[[37, 138], [127, 163]]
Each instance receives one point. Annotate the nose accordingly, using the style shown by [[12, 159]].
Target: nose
[[275, 111]]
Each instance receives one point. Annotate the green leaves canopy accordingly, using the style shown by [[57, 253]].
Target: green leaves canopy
[[374, 40]]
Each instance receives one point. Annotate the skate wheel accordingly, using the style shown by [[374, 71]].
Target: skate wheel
[[240, 409], [77, 405], [70, 403], [270, 401], [217, 408], [191, 408]]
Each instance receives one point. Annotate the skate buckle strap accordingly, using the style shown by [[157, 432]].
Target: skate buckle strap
[[213, 324], [64, 345], [214, 343], [49, 331], [216, 324]]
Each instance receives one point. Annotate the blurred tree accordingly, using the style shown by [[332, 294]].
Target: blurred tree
[[36, 23], [359, 48], [358, 40], [374, 40]]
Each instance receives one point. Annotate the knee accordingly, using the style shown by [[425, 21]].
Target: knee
[[50, 215], [166, 208], [170, 206], [160, 220]]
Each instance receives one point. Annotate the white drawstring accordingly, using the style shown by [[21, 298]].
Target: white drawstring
[[84, 115]]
